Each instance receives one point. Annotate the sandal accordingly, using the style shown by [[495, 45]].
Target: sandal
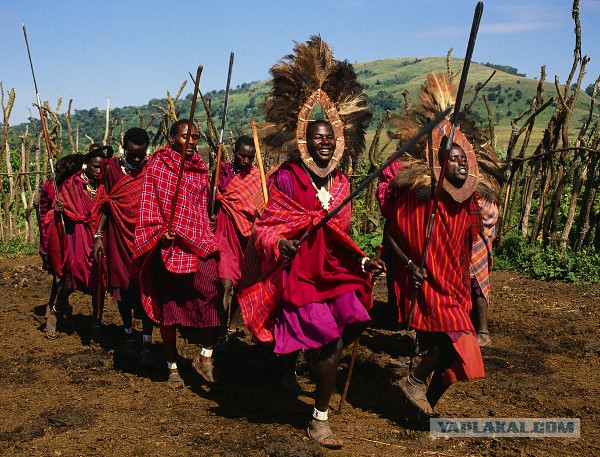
[[175, 381], [320, 432], [204, 367], [483, 338], [415, 396], [51, 322]]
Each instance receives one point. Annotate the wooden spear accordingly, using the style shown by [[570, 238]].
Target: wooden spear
[[184, 151], [220, 150], [261, 168]]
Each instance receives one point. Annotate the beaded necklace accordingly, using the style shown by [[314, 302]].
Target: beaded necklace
[[88, 187]]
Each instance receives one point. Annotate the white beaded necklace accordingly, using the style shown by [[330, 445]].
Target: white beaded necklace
[[323, 193]]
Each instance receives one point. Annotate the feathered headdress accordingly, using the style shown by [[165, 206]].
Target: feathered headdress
[[420, 164], [301, 81]]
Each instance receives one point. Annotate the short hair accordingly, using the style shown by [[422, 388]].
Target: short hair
[[137, 136], [244, 140], [175, 126], [313, 124], [94, 153]]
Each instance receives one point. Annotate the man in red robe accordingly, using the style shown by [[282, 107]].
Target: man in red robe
[[443, 302], [117, 210], [239, 184], [177, 264], [76, 265], [320, 299]]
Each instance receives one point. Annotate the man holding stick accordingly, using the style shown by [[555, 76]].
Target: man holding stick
[[117, 210], [318, 300], [239, 184], [443, 293], [177, 263]]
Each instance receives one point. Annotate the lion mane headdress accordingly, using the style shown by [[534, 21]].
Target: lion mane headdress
[[301, 81], [486, 172]]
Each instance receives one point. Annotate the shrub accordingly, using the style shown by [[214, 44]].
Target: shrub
[[548, 263]]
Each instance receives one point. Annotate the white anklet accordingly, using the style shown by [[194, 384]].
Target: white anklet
[[319, 415], [206, 352], [172, 366]]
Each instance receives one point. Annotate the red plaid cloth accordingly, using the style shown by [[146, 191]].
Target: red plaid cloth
[[241, 200], [56, 242], [481, 257], [71, 197], [284, 218], [194, 238]]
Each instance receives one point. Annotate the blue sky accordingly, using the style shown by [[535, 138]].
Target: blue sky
[[133, 51]]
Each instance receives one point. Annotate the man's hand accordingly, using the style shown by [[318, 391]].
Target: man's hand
[[228, 292], [59, 207], [98, 248], [375, 267], [212, 221], [167, 240], [288, 248], [417, 277]]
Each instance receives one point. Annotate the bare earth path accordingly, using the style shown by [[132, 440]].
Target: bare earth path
[[67, 397]]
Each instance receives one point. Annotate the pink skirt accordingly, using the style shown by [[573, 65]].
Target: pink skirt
[[316, 324]]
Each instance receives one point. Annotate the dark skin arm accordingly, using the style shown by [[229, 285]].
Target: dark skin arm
[[98, 248], [417, 276], [289, 249]]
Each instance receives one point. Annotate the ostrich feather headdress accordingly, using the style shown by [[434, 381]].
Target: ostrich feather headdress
[[485, 171], [301, 81]]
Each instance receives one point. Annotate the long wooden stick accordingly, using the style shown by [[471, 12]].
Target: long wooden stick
[[353, 358], [47, 141], [447, 148], [261, 168], [100, 290], [220, 150], [184, 151]]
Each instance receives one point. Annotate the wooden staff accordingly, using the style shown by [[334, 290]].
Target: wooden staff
[[353, 358], [100, 290], [261, 168], [184, 152], [447, 148], [220, 150], [47, 141]]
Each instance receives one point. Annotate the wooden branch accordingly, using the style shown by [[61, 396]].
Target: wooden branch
[[477, 89]]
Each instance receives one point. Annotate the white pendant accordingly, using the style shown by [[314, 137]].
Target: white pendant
[[324, 197]]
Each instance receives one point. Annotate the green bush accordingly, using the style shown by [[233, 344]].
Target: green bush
[[17, 247], [548, 263]]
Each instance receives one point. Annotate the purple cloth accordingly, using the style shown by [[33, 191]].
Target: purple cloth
[[316, 324]]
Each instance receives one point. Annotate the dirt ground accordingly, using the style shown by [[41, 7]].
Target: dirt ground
[[66, 397]]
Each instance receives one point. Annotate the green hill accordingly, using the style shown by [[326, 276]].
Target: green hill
[[384, 82]]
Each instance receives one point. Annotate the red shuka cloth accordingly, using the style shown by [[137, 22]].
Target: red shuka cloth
[[444, 301], [320, 270], [79, 221], [47, 195], [194, 239], [239, 206], [120, 200], [481, 258]]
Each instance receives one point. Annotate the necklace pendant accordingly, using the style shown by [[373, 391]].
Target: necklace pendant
[[324, 197]]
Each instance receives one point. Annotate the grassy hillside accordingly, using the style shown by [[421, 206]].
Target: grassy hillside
[[384, 81]]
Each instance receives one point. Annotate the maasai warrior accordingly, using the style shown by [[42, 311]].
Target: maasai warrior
[[443, 299], [45, 203], [117, 210], [481, 265], [239, 183], [178, 271], [75, 264], [318, 301]]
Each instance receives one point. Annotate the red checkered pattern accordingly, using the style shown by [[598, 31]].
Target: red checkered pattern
[[239, 200], [481, 257], [194, 238]]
